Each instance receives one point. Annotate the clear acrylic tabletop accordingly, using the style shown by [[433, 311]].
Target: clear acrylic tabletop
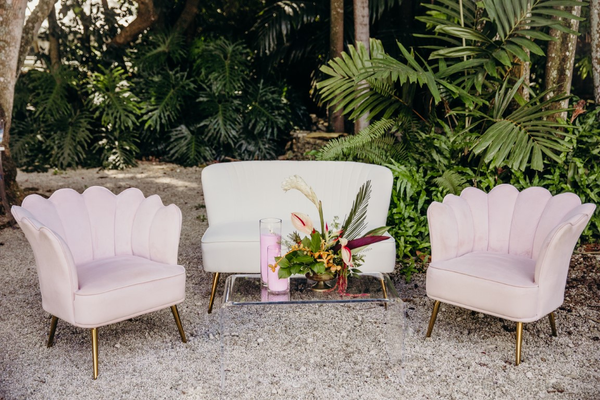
[[246, 289]]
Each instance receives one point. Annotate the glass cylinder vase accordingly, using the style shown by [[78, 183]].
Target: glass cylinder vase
[[275, 285], [270, 235]]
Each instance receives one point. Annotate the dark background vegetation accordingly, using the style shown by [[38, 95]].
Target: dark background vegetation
[[231, 79]]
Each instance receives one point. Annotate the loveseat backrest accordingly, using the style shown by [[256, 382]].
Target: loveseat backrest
[[506, 220], [99, 224], [251, 190]]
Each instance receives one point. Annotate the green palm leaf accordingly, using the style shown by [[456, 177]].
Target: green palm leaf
[[355, 223]]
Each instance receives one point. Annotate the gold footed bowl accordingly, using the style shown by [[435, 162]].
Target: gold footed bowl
[[321, 280]]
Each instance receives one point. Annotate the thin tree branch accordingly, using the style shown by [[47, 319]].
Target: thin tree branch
[[32, 27], [146, 17]]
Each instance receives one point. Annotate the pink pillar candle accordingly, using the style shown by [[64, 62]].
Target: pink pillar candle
[[270, 234], [274, 284]]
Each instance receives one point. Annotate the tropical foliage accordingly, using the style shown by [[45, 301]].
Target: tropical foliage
[[188, 103], [456, 112]]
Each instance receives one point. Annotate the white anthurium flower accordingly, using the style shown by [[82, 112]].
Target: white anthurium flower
[[302, 222], [296, 182], [346, 255], [343, 242]]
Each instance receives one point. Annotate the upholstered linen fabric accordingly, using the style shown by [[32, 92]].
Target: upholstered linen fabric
[[103, 258], [505, 253], [239, 194]]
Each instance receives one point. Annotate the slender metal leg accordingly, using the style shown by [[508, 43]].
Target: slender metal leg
[[552, 323], [214, 290], [519, 342], [385, 295], [95, 351], [52, 331], [178, 322], [436, 308]]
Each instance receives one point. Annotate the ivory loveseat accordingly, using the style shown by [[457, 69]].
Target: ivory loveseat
[[238, 194]]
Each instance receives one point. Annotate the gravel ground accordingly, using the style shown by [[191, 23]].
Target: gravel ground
[[307, 352]]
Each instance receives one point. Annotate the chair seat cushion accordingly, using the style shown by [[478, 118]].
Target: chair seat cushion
[[116, 288], [235, 248], [493, 283]]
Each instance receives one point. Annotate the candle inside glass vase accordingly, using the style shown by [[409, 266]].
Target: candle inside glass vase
[[270, 235], [275, 285]]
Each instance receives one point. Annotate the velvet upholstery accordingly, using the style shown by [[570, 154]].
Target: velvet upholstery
[[103, 258], [239, 194], [505, 253]]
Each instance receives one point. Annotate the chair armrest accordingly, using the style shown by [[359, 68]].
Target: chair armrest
[[56, 269], [552, 265], [443, 231], [165, 233]]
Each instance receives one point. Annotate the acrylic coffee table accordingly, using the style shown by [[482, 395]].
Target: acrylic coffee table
[[280, 342]]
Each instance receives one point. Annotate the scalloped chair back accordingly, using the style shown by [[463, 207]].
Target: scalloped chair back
[[102, 258], [505, 253]]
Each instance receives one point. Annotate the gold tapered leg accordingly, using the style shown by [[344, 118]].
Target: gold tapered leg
[[212, 293], [95, 351], [52, 331], [552, 324], [385, 296], [178, 322], [436, 308], [519, 342]]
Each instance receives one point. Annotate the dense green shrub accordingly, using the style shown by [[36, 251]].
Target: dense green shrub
[[184, 102], [454, 114]]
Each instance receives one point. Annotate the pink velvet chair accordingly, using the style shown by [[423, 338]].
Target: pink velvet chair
[[505, 253], [103, 258]]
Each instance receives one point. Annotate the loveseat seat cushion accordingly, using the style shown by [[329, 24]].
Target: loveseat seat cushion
[[110, 289], [503, 284], [234, 247]]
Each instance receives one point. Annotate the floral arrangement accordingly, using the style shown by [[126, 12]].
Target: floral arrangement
[[334, 250]]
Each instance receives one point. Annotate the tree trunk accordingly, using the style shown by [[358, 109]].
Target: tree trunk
[[187, 15], [336, 46], [12, 19], [146, 17], [595, 33], [32, 28], [361, 35], [560, 60], [54, 42]]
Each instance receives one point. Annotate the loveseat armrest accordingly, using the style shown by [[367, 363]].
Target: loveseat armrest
[[56, 269]]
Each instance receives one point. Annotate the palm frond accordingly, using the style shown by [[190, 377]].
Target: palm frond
[[345, 147], [49, 94], [168, 93], [451, 181], [187, 147], [162, 48], [223, 65], [113, 100], [277, 22], [223, 116], [355, 223], [524, 136], [118, 150], [69, 142]]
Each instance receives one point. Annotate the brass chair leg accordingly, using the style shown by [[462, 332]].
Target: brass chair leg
[[552, 323], [178, 322], [95, 351], [385, 295], [214, 290], [436, 308], [52, 331], [519, 342]]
